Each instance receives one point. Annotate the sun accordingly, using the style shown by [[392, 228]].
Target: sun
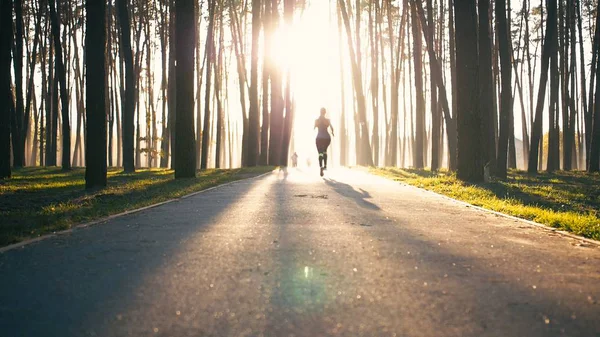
[[310, 50]]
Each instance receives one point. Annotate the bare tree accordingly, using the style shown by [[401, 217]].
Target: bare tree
[[64, 98], [6, 22], [128, 104], [549, 49], [470, 161], [95, 65], [185, 165], [506, 93], [254, 115]]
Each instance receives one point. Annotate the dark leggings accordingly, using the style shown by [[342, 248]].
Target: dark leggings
[[322, 145]]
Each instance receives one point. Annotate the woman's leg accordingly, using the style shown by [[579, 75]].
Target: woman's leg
[[326, 143], [320, 150]]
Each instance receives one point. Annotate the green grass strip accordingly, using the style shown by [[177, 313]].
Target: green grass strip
[[568, 201], [37, 201]]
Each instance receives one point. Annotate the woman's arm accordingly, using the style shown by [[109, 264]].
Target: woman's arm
[[331, 126]]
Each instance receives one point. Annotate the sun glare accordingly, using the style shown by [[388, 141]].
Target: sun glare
[[310, 50]]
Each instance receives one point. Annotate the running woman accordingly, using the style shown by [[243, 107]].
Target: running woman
[[323, 138]]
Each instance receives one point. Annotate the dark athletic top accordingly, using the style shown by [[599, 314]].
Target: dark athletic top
[[322, 123]]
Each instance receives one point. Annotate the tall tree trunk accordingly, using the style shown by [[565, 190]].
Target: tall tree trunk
[[553, 132], [365, 157], [95, 65], [470, 161], [218, 94], [267, 61], [242, 81], [276, 120], [19, 133], [594, 152], [486, 85], [210, 60], [30, 88], [506, 93], [79, 92], [137, 71], [164, 144], [569, 122], [419, 90], [185, 148], [584, 106], [110, 99], [288, 121], [254, 115], [172, 85], [64, 99], [199, 77], [452, 156], [342, 131], [436, 119], [443, 100], [128, 104], [50, 151], [54, 120], [374, 81], [6, 22], [549, 49]]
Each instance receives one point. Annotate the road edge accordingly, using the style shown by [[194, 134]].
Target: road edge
[[512, 217], [84, 225], [485, 210]]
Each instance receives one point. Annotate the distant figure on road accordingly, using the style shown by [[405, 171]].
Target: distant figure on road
[[323, 138], [295, 159]]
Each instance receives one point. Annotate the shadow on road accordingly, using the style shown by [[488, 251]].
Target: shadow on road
[[348, 191], [76, 284]]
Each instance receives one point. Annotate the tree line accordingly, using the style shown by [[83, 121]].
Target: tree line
[[434, 83]]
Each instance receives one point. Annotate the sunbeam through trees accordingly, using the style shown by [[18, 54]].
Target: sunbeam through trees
[[469, 86]]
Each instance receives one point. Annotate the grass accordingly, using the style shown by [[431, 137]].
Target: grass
[[568, 201], [37, 201]]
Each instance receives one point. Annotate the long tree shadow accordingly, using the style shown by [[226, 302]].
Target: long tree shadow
[[359, 196], [53, 287], [453, 290], [58, 204]]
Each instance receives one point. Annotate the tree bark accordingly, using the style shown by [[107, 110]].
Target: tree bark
[[267, 61], [64, 98], [288, 121], [470, 161], [6, 22], [594, 154], [506, 93], [365, 157], [486, 84], [549, 49], [374, 81], [276, 120], [443, 100], [128, 104], [19, 133], [95, 65], [419, 90], [220, 146], [185, 147], [163, 32], [242, 81], [254, 115], [210, 60]]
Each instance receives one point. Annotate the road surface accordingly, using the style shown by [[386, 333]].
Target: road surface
[[294, 254]]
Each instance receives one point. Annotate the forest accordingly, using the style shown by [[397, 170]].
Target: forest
[[475, 87]]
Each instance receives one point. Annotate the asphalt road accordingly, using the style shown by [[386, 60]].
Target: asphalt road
[[294, 254]]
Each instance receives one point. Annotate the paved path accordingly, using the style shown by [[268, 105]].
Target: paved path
[[297, 255]]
